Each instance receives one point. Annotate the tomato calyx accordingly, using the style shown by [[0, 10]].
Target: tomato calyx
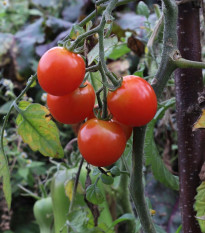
[[83, 84]]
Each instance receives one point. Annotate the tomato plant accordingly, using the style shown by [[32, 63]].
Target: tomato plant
[[100, 142], [73, 107], [134, 103], [60, 71]]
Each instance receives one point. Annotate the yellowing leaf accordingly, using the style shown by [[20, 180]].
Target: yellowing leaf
[[37, 130], [200, 123], [199, 206], [69, 186]]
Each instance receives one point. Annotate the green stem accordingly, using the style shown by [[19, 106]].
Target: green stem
[[114, 81], [29, 83], [104, 107], [75, 187], [92, 68], [82, 37], [184, 63], [136, 182], [167, 65], [29, 192], [98, 97], [123, 196], [100, 9], [100, 2], [126, 165]]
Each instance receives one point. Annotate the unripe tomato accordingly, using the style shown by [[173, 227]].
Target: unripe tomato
[[60, 71], [73, 107], [134, 103], [101, 143]]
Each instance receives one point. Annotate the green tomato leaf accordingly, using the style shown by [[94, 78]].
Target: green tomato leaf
[[142, 9], [124, 217], [199, 206], [5, 175], [5, 107], [108, 43], [94, 195], [96, 171], [37, 130], [179, 229], [115, 171], [107, 179], [118, 51], [152, 158], [160, 171], [140, 72], [76, 31]]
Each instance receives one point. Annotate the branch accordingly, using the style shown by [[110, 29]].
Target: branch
[[99, 10], [136, 182], [184, 63], [75, 188], [75, 185], [167, 66]]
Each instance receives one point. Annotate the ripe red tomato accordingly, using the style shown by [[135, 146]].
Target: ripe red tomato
[[60, 71], [100, 142], [126, 129], [73, 107], [92, 114], [134, 103]]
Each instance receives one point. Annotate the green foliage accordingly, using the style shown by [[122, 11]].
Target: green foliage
[[115, 171], [13, 14], [108, 43], [142, 9], [5, 175], [36, 129], [5, 107], [199, 206], [107, 179], [124, 217], [76, 31], [179, 229], [94, 195], [161, 173], [118, 51]]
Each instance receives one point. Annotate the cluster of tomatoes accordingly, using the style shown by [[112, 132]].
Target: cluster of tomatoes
[[101, 142]]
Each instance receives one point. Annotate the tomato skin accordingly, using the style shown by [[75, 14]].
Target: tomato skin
[[101, 143], [73, 107], [126, 129], [60, 71], [134, 103]]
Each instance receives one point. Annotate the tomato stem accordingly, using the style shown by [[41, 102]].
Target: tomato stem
[[75, 187], [29, 83], [136, 181]]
